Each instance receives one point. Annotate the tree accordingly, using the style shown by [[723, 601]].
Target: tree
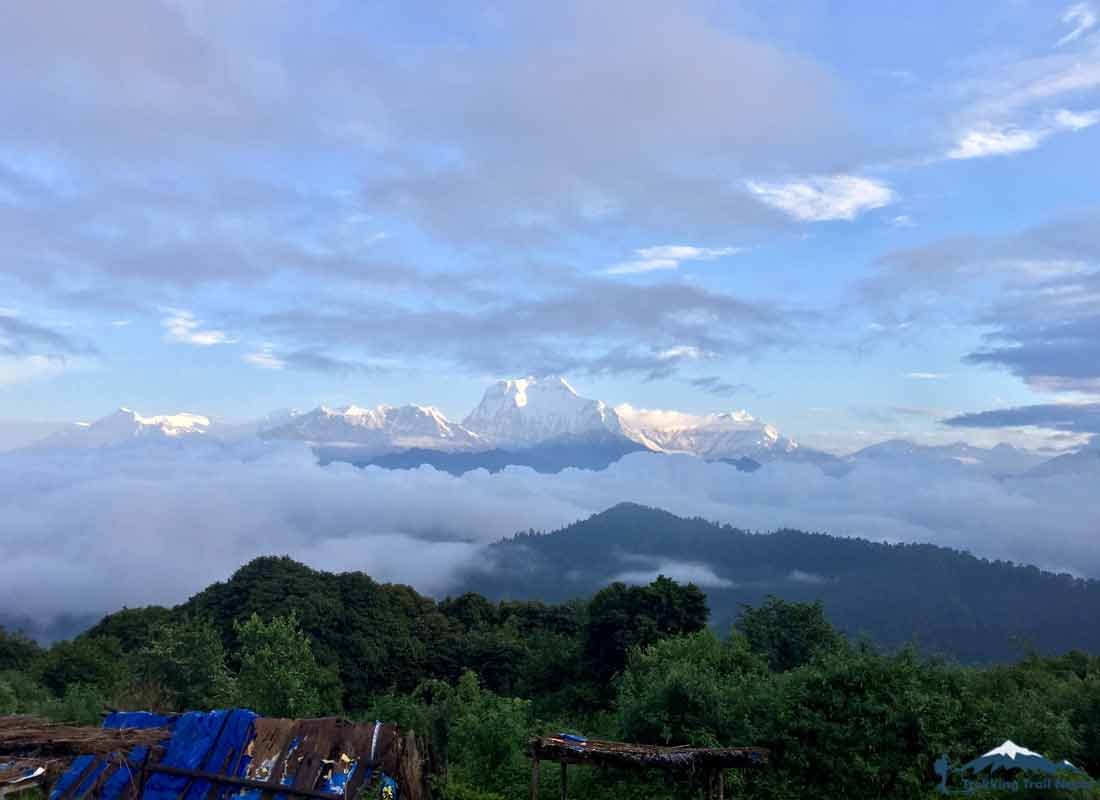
[[279, 675], [689, 690], [97, 662], [133, 627], [486, 737], [17, 652], [187, 659], [622, 617], [856, 723], [787, 634]]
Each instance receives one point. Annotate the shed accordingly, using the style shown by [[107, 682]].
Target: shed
[[568, 749], [217, 755]]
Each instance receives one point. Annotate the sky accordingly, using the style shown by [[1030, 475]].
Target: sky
[[857, 221]]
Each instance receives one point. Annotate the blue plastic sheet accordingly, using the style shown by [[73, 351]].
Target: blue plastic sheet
[[113, 785], [207, 741]]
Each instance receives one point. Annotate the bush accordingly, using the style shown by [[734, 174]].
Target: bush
[[486, 737], [688, 690], [187, 660], [97, 662], [21, 694], [279, 676], [81, 705], [17, 652]]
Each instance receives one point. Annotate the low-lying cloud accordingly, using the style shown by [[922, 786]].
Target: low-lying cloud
[[89, 532]]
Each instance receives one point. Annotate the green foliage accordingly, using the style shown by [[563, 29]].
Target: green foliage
[[856, 723], [461, 791], [81, 705], [279, 676], [97, 662], [623, 617], [478, 678], [132, 627], [187, 659], [688, 690], [486, 737], [21, 694], [17, 652], [787, 634]]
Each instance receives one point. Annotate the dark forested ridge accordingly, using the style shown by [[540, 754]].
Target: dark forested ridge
[[944, 600]]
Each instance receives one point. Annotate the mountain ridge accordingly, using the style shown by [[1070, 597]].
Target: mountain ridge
[[545, 424], [948, 600]]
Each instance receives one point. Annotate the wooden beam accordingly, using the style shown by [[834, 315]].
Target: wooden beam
[[535, 779], [564, 780]]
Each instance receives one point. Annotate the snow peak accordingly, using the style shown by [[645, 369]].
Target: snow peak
[[1011, 768]]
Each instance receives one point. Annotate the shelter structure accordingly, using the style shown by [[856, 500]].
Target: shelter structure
[[218, 755], [568, 749]]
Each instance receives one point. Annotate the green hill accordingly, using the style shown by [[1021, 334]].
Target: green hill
[[945, 600]]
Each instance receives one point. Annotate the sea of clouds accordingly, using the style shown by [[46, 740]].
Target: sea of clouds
[[87, 532]]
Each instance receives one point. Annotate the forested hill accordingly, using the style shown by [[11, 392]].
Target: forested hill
[[945, 600]]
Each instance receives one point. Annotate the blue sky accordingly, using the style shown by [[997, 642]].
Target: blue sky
[[856, 220]]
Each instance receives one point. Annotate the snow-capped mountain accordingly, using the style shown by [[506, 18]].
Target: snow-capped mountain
[[383, 428], [729, 435], [528, 412], [1003, 459], [125, 426], [544, 423]]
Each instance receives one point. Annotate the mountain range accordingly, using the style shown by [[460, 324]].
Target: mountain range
[[545, 424]]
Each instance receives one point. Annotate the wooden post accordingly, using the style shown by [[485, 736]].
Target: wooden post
[[564, 781], [535, 779], [721, 784]]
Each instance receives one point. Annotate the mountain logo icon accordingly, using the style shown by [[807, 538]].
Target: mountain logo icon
[[1011, 767]]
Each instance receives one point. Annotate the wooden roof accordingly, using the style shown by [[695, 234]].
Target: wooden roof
[[600, 752]]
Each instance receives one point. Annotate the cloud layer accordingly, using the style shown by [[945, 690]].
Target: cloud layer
[[89, 532]]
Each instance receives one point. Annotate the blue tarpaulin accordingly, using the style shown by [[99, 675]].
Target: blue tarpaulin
[[211, 741], [88, 769]]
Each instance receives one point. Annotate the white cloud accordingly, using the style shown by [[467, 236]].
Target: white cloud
[[991, 140], [823, 198], [927, 376], [903, 221], [681, 571], [264, 358], [668, 256], [180, 518], [679, 352], [1083, 17], [1076, 120], [988, 140], [798, 576], [182, 327]]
